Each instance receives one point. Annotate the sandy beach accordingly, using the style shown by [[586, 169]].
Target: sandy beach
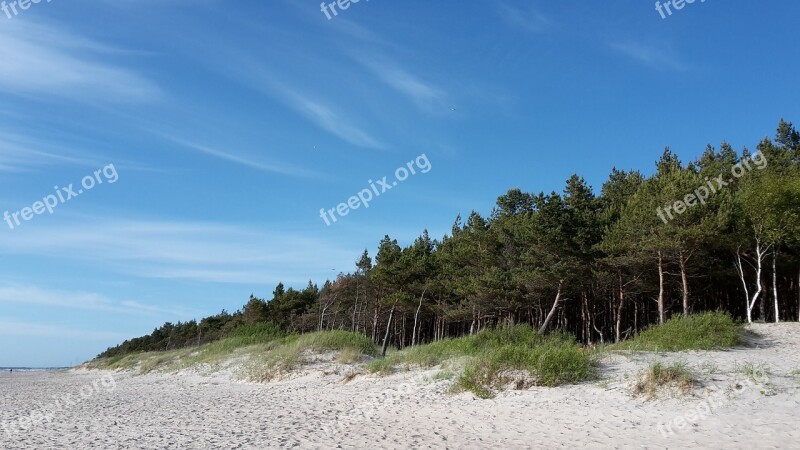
[[323, 408]]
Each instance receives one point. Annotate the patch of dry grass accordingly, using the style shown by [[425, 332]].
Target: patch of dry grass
[[659, 376]]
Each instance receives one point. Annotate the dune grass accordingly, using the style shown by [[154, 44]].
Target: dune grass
[[269, 349], [495, 359], [659, 375], [291, 352], [706, 331]]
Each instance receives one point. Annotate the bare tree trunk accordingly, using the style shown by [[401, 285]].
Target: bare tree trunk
[[751, 302], [553, 309], [375, 320], [472, 325], [584, 316], [759, 258], [416, 318], [355, 308], [388, 329], [740, 269], [619, 309], [661, 316], [402, 332], [600, 332], [684, 283], [322, 314], [775, 283]]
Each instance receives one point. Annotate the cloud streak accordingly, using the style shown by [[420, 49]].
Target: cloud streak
[[43, 60], [20, 153], [194, 251], [16, 329], [324, 116], [238, 159], [425, 95], [528, 19], [329, 120], [655, 57], [87, 301]]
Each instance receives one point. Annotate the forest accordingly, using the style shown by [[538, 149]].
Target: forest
[[721, 233]]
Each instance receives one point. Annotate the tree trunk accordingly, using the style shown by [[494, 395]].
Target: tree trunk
[[472, 325], [760, 258], [587, 319], [740, 269], [683, 259], [751, 302], [416, 319], [553, 309], [619, 310], [375, 320], [775, 283], [661, 316], [355, 308], [388, 329], [322, 314]]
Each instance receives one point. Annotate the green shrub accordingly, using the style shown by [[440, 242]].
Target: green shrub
[[381, 366], [547, 364], [256, 333], [498, 357], [706, 331]]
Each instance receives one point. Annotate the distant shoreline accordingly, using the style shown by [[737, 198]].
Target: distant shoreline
[[33, 369]]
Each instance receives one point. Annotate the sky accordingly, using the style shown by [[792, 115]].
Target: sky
[[186, 149]]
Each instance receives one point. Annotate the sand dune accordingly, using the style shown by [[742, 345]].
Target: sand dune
[[319, 409]]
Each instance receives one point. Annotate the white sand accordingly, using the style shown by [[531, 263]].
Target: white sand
[[410, 410]]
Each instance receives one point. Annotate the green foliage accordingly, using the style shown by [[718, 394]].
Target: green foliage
[[255, 333], [706, 331]]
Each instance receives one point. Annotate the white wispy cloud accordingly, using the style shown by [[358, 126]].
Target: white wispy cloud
[[327, 118], [526, 18], [197, 251], [14, 328], [236, 158], [87, 301], [318, 112], [425, 95], [40, 59], [19, 153], [654, 56]]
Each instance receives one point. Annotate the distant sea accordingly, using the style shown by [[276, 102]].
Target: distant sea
[[31, 369]]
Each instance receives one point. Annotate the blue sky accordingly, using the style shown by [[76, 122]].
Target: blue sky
[[231, 124]]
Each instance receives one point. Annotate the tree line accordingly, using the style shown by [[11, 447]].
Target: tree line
[[719, 233]]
